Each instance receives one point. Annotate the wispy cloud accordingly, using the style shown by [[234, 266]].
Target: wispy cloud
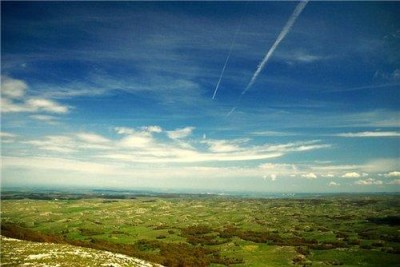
[[272, 177], [370, 134], [41, 104], [92, 138], [33, 105], [306, 57], [12, 88], [273, 170], [152, 129], [299, 8], [57, 164], [369, 181], [180, 133], [391, 76], [45, 118], [394, 182], [124, 130], [56, 143], [151, 145], [273, 133], [137, 140], [310, 175], [333, 184], [380, 165], [15, 99], [224, 145], [393, 174], [300, 56], [351, 175], [7, 135]]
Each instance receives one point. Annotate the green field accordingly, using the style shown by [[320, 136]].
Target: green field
[[347, 230]]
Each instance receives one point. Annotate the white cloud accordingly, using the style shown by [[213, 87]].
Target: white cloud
[[71, 144], [310, 175], [55, 143], [388, 76], [60, 167], [334, 169], [45, 118], [222, 146], [130, 131], [306, 58], [137, 140], [282, 169], [351, 175], [186, 156], [180, 133], [153, 129], [92, 138], [124, 130], [12, 88], [296, 146], [41, 104], [329, 171], [48, 163], [142, 147], [333, 184], [14, 99], [8, 105], [369, 181], [272, 133], [300, 56], [7, 135], [381, 165], [394, 182], [272, 177], [393, 174], [370, 134]]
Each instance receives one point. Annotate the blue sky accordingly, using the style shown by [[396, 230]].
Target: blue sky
[[119, 94]]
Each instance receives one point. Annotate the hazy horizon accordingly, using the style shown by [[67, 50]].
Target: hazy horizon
[[222, 96]]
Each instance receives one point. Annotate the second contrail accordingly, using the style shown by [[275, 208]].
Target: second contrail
[[229, 55], [222, 72], [299, 8]]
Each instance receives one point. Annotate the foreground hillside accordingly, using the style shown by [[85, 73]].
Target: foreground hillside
[[347, 230], [15, 252]]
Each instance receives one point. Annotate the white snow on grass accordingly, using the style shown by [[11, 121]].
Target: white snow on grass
[[39, 256], [26, 253]]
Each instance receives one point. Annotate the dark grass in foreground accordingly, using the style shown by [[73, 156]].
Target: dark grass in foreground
[[348, 230]]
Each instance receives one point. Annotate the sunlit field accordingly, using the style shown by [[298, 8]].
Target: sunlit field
[[209, 230]]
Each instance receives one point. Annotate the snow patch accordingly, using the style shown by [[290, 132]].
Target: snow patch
[[38, 256]]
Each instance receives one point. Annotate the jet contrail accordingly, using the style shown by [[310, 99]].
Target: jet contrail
[[229, 55], [299, 8], [222, 72], [230, 112]]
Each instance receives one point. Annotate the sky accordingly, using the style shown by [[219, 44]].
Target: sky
[[208, 96]]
